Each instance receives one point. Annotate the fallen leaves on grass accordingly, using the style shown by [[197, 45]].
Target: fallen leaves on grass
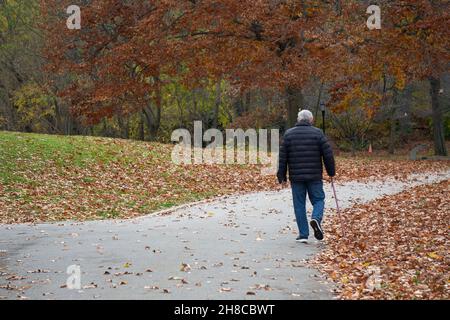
[[52, 178], [396, 248]]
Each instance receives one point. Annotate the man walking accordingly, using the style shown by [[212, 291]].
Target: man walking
[[302, 151]]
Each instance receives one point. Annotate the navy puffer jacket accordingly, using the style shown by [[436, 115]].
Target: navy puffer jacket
[[302, 150]]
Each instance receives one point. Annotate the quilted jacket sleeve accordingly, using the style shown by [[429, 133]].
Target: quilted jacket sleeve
[[282, 160], [327, 155]]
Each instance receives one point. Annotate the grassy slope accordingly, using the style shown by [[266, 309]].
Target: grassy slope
[[44, 177], [54, 178], [43, 172]]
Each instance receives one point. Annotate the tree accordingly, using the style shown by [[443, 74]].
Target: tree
[[127, 52], [128, 49], [413, 44], [19, 58], [438, 124]]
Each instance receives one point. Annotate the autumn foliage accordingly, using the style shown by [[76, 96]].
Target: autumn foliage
[[126, 51], [396, 247], [85, 178]]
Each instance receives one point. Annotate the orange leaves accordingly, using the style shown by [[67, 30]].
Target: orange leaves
[[123, 45], [399, 244], [125, 179], [251, 44], [353, 96]]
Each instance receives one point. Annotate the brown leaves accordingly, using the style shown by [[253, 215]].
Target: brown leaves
[[259, 44], [397, 247], [126, 179], [185, 267]]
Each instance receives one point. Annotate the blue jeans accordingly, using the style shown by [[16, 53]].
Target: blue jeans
[[316, 196]]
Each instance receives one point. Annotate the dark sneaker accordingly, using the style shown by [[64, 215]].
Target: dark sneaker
[[302, 239], [318, 233]]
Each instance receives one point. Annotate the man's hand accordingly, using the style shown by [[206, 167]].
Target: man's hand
[[281, 180]]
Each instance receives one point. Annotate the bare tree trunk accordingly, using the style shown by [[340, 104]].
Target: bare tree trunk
[[239, 105], [392, 134], [405, 113], [58, 117], [248, 101], [319, 98], [9, 110], [294, 104], [438, 126], [179, 105], [141, 127], [105, 128], [217, 104], [124, 126], [393, 123], [152, 112], [152, 118]]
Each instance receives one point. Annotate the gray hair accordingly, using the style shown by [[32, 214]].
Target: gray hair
[[305, 115]]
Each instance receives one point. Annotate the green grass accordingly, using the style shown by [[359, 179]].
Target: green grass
[[25, 153], [108, 214], [57, 178], [167, 204], [65, 177]]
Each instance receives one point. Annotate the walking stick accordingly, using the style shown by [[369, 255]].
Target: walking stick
[[337, 207]]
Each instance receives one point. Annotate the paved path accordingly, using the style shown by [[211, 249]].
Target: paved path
[[240, 247]]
